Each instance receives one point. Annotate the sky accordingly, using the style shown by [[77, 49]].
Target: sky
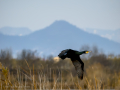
[[38, 14]]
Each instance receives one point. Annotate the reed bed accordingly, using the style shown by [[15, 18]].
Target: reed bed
[[48, 78]]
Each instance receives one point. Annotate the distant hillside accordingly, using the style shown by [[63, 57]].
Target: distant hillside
[[15, 31], [56, 37], [110, 34]]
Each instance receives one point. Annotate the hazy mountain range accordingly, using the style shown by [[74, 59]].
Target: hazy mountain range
[[56, 37], [110, 34]]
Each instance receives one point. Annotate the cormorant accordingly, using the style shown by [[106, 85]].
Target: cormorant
[[74, 56]]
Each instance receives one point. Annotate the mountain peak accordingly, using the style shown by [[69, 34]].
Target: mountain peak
[[61, 23]]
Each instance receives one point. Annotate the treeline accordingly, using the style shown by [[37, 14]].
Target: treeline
[[32, 58], [99, 67]]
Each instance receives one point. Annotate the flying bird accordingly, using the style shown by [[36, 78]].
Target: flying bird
[[75, 58]]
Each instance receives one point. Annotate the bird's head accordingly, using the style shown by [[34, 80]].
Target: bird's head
[[82, 52]]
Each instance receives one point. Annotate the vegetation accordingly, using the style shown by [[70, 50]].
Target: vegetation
[[31, 72]]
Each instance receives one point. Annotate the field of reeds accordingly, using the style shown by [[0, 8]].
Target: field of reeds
[[96, 76], [101, 72]]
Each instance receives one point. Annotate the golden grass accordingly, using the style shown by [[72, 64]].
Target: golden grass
[[52, 79]]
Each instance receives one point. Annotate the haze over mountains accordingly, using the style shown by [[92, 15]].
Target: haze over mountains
[[56, 37], [21, 31], [15, 31], [110, 34]]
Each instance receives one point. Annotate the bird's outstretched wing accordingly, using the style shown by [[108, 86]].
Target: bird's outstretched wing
[[79, 66]]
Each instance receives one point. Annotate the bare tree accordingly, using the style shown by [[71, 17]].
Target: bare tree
[[6, 54], [27, 54]]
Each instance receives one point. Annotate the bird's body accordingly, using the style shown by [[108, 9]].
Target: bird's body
[[77, 62]]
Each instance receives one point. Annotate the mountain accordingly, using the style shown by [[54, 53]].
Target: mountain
[[15, 31], [58, 36], [110, 34]]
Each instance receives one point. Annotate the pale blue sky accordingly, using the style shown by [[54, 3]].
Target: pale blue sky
[[37, 14]]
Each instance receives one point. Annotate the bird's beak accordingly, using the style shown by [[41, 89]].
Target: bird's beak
[[87, 52]]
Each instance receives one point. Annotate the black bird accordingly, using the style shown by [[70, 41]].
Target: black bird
[[75, 58]]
